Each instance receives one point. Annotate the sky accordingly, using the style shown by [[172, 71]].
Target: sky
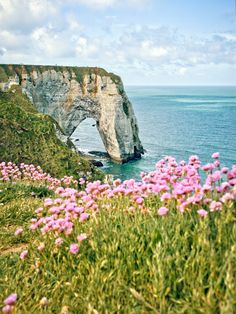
[[146, 42]]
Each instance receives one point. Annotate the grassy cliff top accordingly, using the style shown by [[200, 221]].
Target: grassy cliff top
[[30, 137], [7, 70]]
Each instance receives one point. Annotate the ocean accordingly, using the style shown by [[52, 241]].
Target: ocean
[[176, 121]]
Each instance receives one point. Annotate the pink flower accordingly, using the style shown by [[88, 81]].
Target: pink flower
[[207, 201], [202, 212], [59, 241], [206, 187], [82, 237], [18, 231], [208, 167], [165, 196], [23, 254], [41, 247], [48, 202], [225, 186], [117, 182], [139, 200], [214, 206], [7, 309], [225, 170], [89, 203], [226, 198], [215, 155], [216, 163], [74, 248], [83, 217], [59, 190], [39, 210], [81, 181], [11, 299], [162, 211]]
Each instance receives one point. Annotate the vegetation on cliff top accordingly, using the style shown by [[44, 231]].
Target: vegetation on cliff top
[[29, 136], [7, 70]]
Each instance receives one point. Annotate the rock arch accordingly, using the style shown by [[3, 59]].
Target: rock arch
[[97, 94]]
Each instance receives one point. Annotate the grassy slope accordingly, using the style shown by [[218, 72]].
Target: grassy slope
[[28, 136], [132, 263]]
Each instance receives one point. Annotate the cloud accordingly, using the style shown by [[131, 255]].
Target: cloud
[[43, 31], [159, 46], [97, 3], [182, 71], [151, 51], [22, 16], [100, 4], [2, 51], [52, 43], [86, 48]]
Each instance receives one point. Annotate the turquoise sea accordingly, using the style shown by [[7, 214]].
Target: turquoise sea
[[177, 121]]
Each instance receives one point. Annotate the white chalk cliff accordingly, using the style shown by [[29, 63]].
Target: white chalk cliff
[[70, 97]]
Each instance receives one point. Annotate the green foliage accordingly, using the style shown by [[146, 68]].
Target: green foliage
[[17, 204], [3, 75], [131, 263], [28, 136]]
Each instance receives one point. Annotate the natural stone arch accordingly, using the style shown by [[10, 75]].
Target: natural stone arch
[[60, 95], [86, 138]]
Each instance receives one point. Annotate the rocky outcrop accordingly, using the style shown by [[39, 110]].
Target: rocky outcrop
[[72, 94]]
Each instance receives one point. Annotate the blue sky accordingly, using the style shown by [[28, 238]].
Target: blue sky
[[146, 42]]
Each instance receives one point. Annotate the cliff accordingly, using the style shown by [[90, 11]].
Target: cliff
[[34, 138], [72, 94]]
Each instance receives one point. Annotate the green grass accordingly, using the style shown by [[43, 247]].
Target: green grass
[[131, 263], [30, 137], [17, 202]]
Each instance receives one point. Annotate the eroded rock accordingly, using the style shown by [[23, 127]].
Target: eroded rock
[[70, 98]]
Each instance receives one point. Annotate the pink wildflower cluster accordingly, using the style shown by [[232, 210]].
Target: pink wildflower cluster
[[176, 185], [58, 215], [10, 172], [9, 303], [181, 184]]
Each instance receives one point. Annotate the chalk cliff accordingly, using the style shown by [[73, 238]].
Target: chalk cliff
[[72, 94]]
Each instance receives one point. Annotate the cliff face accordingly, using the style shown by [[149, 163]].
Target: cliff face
[[72, 94]]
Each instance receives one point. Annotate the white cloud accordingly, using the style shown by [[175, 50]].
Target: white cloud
[[97, 3], [52, 43], [22, 16], [42, 31], [100, 4], [2, 51], [182, 71], [86, 48], [150, 50]]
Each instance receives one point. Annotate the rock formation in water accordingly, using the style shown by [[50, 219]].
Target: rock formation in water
[[72, 94]]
